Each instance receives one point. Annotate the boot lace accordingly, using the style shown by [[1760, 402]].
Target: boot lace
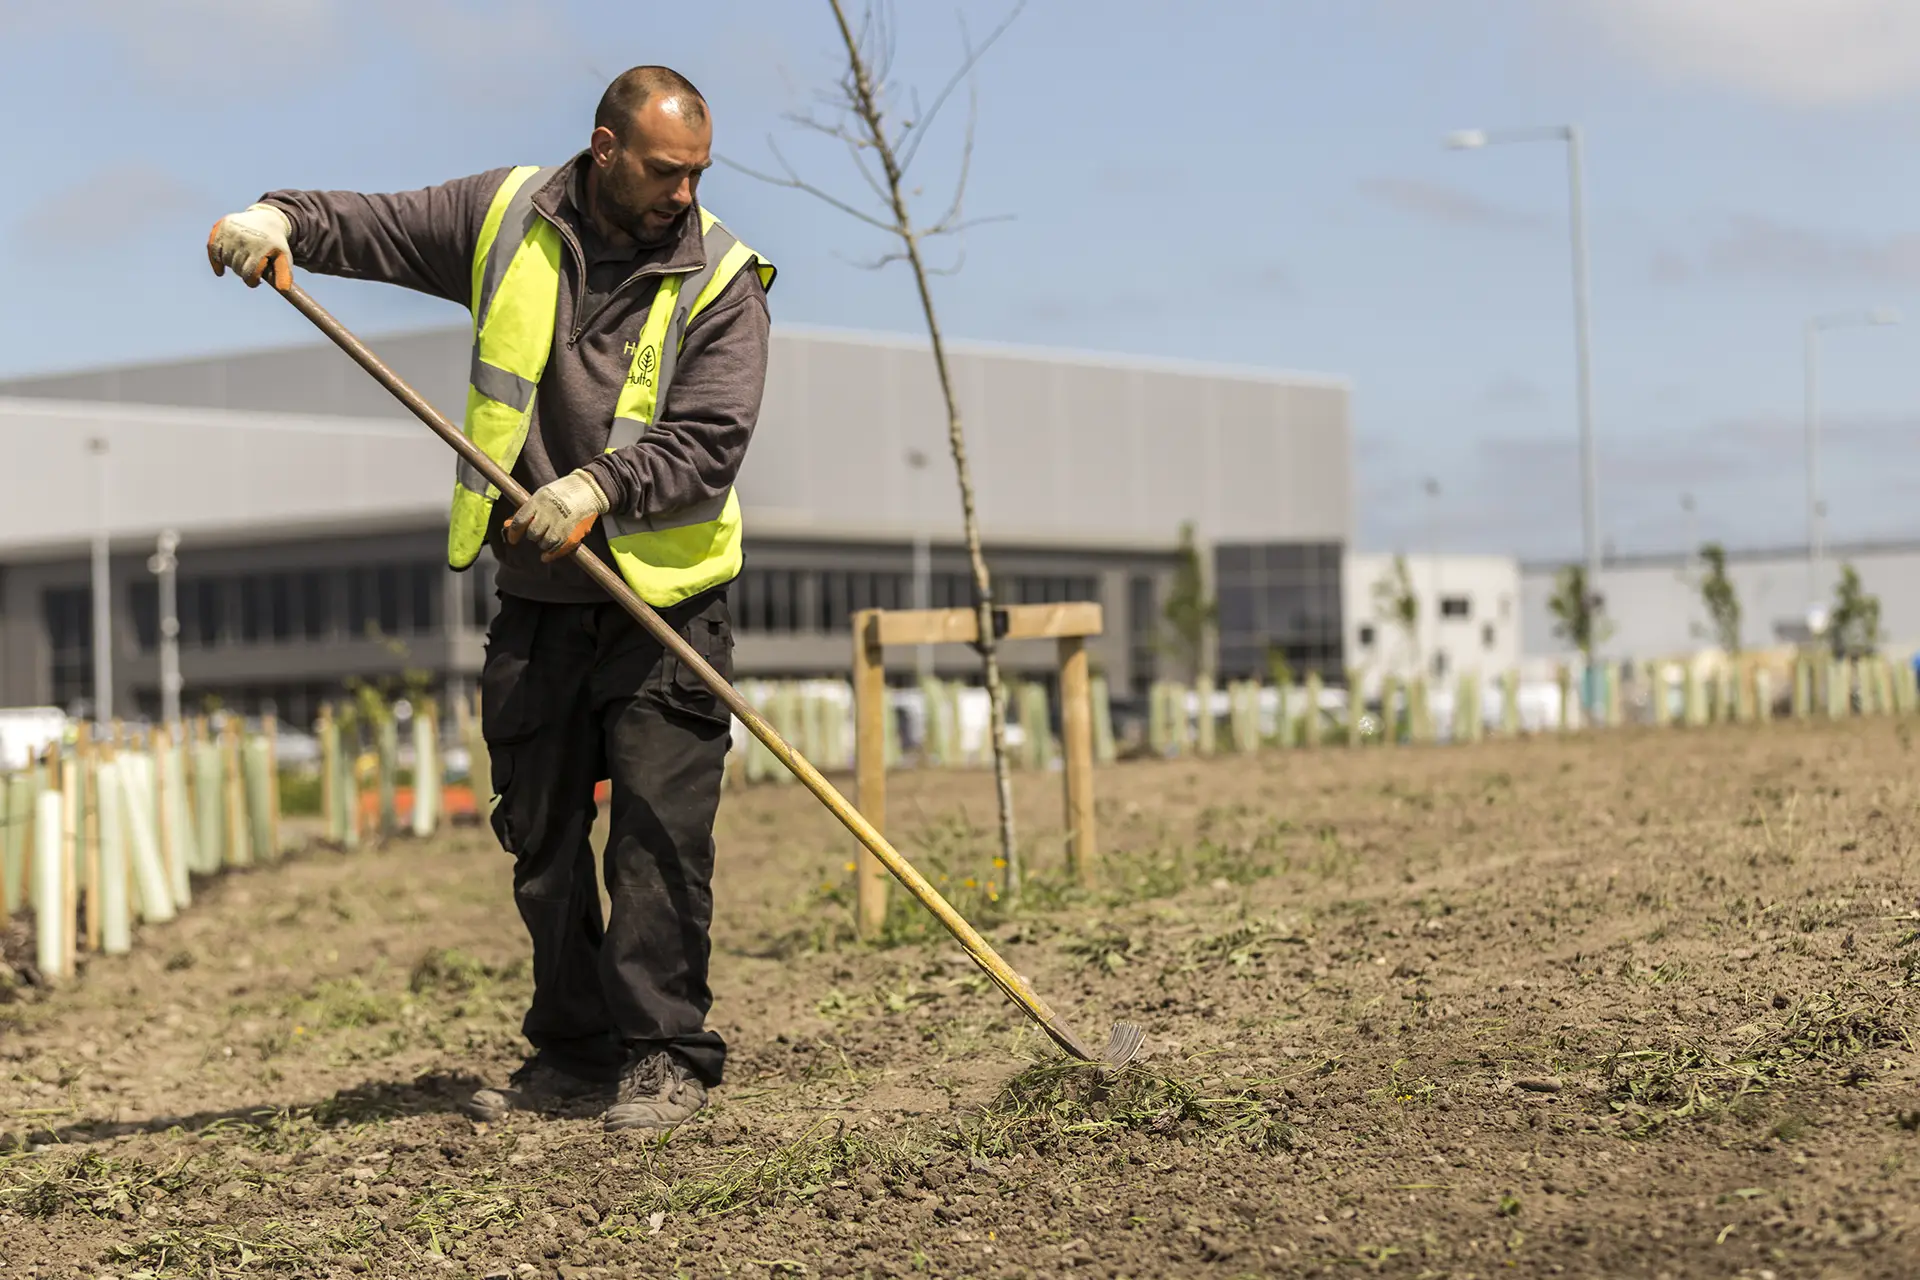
[[651, 1077]]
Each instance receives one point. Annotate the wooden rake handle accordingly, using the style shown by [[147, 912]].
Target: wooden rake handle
[[1011, 983]]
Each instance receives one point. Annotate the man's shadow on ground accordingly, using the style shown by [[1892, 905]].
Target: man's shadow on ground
[[435, 1093]]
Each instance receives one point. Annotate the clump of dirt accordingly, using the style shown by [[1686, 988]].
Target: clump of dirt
[[1626, 1004]]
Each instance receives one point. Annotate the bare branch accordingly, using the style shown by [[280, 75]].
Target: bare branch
[[959, 261], [965, 224], [839, 131], [794, 182], [884, 260], [856, 149], [910, 144], [966, 160]]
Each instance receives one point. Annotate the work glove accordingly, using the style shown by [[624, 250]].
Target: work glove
[[251, 241], [559, 515]]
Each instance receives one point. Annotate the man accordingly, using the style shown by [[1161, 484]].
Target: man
[[619, 356]]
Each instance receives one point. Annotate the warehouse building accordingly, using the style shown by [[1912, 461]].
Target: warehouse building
[[310, 511]]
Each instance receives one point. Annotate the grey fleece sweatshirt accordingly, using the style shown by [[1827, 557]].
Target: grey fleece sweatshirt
[[424, 240]]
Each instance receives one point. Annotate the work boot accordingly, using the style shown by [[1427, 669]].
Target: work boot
[[535, 1087], [656, 1092]]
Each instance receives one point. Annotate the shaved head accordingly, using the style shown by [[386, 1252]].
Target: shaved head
[[631, 90]]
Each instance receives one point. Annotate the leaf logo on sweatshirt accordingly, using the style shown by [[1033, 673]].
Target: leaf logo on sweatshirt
[[642, 373]]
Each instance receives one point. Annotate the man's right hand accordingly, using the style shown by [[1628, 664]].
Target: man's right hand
[[250, 241]]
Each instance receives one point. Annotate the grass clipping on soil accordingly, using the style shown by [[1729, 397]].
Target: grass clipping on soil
[[1686, 1079], [1042, 1110]]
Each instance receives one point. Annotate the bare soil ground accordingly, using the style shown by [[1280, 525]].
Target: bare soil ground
[[1640, 1004]]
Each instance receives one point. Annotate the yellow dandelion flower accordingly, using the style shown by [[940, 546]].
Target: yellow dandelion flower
[[999, 863], [847, 867], [969, 883]]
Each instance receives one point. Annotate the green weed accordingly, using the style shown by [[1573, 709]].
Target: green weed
[[1106, 949], [221, 1250], [45, 1186], [1693, 1079]]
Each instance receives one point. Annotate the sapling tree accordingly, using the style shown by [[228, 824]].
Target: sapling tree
[[1190, 612], [1719, 599], [882, 127], [1396, 604], [1578, 612], [1853, 628]]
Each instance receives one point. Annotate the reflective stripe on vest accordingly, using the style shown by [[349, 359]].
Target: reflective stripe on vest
[[665, 556], [519, 252]]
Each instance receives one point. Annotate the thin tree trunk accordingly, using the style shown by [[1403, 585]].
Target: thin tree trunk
[[868, 107]]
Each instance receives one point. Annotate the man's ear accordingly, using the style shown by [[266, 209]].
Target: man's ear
[[602, 144]]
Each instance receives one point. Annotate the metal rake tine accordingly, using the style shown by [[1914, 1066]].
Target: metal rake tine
[[1123, 1044]]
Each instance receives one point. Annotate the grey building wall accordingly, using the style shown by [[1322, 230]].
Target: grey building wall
[[1065, 446], [292, 461], [1653, 603]]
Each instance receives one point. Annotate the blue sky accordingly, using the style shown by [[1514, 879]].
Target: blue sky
[[1254, 183]]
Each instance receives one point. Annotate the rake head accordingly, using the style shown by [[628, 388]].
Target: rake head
[[1123, 1044]]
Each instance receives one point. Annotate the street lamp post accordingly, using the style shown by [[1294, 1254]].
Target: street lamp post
[[922, 561], [162, 564], [1815, 511], [102, 589], [1431, 487], [1473, 140]]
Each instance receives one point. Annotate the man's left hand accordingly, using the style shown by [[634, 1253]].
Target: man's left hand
[[559, 515]]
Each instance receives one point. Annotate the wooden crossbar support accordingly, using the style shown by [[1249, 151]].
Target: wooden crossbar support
[[1011, 622], [875, 629]]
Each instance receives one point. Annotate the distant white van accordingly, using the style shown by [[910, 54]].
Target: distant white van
[[27, 731]]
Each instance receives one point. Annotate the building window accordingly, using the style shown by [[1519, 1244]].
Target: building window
[[1486, 635], [266, 608], [1366, 635], [772, 600], [1054, 590], [950, 591], [1282, 597], [1143, 624], [316, 604], [203, 612], [481, 600], [425, 582], [388, 593], [1456, 607], [69, 621], [143, 601]]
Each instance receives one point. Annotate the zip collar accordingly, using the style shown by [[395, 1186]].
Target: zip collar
[[556, 203]]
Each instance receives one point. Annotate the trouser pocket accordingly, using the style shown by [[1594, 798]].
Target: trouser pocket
[[708, 633], [510, 702]]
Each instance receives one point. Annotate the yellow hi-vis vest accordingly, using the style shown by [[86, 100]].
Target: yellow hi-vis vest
[[665, 556]]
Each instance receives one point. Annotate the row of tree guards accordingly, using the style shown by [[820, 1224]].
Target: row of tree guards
[[111, 825], [365, 792], [1683, 692]]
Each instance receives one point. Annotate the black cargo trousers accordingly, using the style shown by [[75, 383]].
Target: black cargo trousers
[[571, 694]]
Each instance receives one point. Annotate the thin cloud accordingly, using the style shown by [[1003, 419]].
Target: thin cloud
[[1758, 246], [1437, 202], [111, 206], [206, 50], [1669, 267], [1513, 392], [1263, 280], [1805, 52]]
